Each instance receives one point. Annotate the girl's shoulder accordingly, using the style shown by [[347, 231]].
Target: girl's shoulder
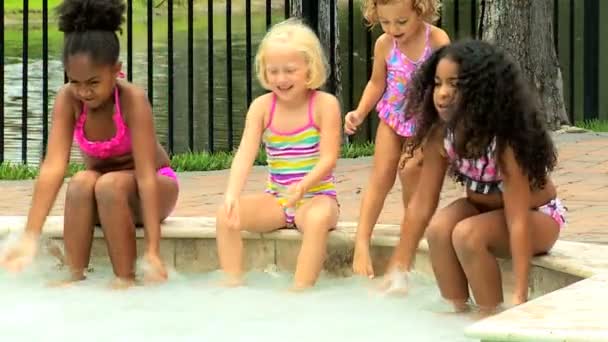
[[129, 92], [263, 101], [65, 95], [435, 140], [133, 99], [325, 100], [384, 44], [326, 108], [438, 37], [259, 109]]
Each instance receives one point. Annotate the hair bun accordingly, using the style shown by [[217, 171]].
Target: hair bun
[[90, 15]]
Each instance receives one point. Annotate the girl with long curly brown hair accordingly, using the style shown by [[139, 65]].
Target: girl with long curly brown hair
[[479, 122]]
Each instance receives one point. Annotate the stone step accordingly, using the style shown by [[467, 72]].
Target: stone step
[[578, 259]]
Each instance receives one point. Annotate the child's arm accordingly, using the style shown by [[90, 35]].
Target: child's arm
[[248, 148], [517, 198], [53, 168], [143, 135], [423, 203], [377, 82], [329, 125]]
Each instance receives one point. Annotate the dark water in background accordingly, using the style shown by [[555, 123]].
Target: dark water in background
[[13, 76], [13, 68]]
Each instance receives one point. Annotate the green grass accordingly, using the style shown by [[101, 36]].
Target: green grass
[[595, 125], [200, 161], [34, 5]]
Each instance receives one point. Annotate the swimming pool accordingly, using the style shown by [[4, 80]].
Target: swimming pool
[[191, 307]]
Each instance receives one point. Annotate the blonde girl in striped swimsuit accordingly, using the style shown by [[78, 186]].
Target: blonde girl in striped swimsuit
[[300, 129]]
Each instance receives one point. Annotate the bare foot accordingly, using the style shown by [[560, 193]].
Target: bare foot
[[460, 305], [122, 283], [394, 283], [154, 270], [70, 281], [487, 311], [232, 281], [54, 250], [297, 288], [455, 307]]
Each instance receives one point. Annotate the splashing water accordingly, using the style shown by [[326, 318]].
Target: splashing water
[[193, 308]]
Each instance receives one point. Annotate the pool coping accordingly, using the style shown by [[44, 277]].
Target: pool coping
[[573, 312]]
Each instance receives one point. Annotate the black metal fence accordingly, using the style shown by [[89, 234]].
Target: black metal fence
[[210, 114]]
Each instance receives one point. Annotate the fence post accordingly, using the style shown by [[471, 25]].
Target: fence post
[[591, 60], [310, 12], [322, 18], [2, 81]]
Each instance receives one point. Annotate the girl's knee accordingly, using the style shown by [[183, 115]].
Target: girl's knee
[[323, 215], [466, 239], [111, 188], [82, 185], [221, 219], [438, 234], [385, 166]]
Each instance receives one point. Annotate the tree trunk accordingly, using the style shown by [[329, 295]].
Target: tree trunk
[[524, 28], [319, 14]]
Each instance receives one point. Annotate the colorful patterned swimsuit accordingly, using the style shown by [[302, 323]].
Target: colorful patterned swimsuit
[[291, 156], [483, 176], [399, 72]]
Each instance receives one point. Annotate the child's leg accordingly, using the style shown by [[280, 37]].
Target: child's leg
[[449, 275], [315, 219], [257, 213], [409, 175], [478, 240], [119, 207], [387, 153], [79, 218]]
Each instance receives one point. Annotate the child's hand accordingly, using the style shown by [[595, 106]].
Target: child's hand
[[154, 269], [352, 120], [296, 192], [231, 205], [362, 262], [394, 282], [20, 253]]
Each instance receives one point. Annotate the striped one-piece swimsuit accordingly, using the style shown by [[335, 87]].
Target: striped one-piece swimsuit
[[291, 156]]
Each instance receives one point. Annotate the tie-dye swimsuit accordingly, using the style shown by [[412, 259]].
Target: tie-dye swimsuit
[[291, 156], [399, 72], [119, 145], [483, 176]]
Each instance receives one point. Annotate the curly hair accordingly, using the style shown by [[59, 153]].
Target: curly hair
[[494, 100], [90, 27], [428, 10]]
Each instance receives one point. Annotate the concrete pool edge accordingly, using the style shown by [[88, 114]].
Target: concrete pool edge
[[573, 311]]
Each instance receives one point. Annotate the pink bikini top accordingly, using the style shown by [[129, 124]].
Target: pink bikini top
[[120, 144]]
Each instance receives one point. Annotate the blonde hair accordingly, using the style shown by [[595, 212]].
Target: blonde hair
[[297, 35], [428, 10]]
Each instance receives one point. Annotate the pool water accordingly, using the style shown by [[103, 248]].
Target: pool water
[[193, 308]]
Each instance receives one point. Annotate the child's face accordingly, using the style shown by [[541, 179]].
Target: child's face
[[286, 71], [398, 19], [91, 83], [445, 92]]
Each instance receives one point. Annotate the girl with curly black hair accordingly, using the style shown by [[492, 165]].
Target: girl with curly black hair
[[481, 123], [127, 178]]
